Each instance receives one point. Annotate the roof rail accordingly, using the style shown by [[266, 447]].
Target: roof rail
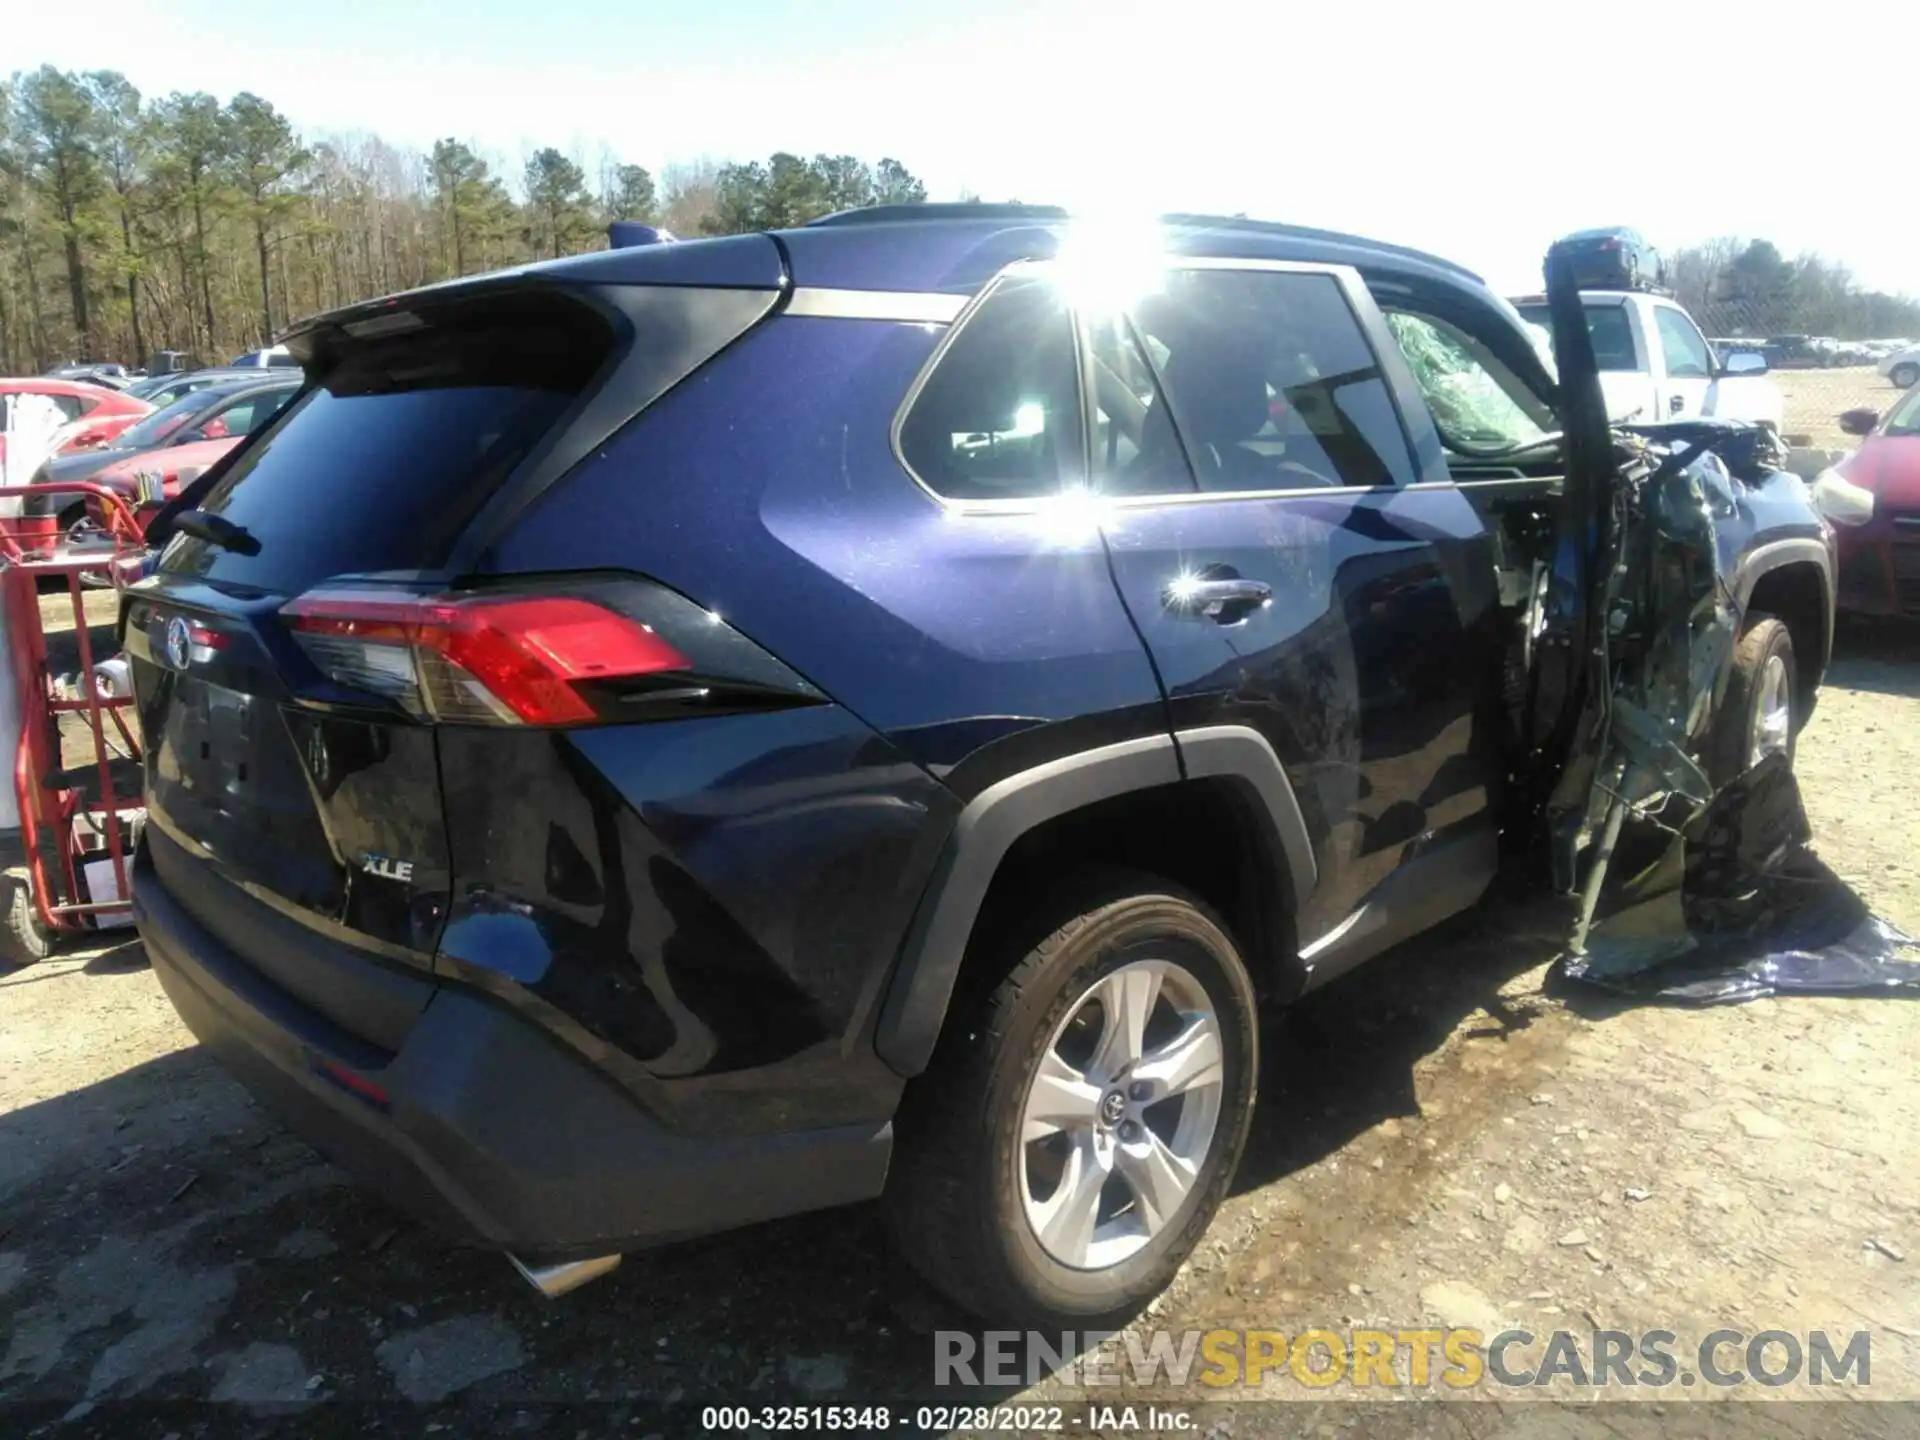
[[944, 210], [1308, 232], [1044, 214]]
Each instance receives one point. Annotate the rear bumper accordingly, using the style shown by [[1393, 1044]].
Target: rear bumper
[[491, 1129]]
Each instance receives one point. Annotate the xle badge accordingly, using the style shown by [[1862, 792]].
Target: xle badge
[[386, 867]]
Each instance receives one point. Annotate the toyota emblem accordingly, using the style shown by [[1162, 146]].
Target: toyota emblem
[[179, 643]]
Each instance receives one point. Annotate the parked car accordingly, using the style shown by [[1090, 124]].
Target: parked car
[[78, 399], [89, 411], [161, 390], [209, 441], [1902, 367], [224, 411], [1880, 559], [272, 357], [694, 733], [113, 376], [1793, 352], [1615, 257], [1656, 365]]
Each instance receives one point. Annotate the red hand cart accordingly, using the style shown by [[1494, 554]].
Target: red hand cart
[[75, 822]]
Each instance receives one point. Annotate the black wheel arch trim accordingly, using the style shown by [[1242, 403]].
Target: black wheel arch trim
[[916, 1001], [1778, 555]]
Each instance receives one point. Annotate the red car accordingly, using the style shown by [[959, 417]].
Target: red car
[[101, 415], [174, 466], [94, 413], [231, 420], [1880, 560]]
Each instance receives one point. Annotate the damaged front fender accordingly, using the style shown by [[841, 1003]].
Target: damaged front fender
[[1664, 534]]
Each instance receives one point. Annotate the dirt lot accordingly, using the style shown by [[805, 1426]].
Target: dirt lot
[[1815, 398], [1443, 1138]]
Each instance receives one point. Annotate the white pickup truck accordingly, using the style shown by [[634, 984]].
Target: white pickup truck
[[1656, 365]]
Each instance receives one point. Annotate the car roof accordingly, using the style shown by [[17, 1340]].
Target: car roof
[[208, 396], [286, 380], [953, 249], [226, 385], [54, 385], [211, 375]]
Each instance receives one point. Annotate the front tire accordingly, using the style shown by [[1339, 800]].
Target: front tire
[[1904, 376], [1078, 1127], [1760, 713]]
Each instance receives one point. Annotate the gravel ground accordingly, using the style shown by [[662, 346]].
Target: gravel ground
[[1814, 400], [1443, 1138]]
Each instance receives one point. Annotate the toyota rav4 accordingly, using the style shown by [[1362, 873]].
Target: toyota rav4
[[698, 732]]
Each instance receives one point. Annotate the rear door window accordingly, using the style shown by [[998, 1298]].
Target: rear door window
[[1271, 382], [1137, 450]]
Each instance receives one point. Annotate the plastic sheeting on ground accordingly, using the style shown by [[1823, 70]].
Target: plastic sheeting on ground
[[1734, 905]]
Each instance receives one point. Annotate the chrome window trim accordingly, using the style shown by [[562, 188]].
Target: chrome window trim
[[925, 307], [1136, 502], [1353, 289], [1018, 270]]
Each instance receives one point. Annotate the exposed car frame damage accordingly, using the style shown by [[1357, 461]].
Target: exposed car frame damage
[[1719, 897]]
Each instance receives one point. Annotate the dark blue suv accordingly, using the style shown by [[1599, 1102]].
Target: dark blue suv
[[694, 733]]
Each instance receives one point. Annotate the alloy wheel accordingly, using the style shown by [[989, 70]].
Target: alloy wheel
[[1120, 1114], [1772, 713]]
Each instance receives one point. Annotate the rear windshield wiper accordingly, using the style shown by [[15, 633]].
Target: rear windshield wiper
[[216, 530]]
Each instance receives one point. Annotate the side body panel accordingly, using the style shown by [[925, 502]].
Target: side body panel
[[705, 908], [1364, 671], [766, 489], [781, 862]]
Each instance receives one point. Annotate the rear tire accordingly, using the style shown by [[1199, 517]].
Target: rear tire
[[1904, 376], [23, 939], [1009, 1199], [1760, 712]]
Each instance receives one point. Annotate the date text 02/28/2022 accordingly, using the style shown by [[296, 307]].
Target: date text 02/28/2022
[[942, 1419]]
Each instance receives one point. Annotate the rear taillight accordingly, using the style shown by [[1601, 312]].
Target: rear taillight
[[498, 660]]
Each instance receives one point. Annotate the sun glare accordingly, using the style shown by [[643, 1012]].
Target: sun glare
[[1104, 266]]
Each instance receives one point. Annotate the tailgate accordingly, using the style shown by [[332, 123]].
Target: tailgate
[[310, 843], [294, 781]]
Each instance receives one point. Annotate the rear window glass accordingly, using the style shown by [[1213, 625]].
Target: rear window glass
[[1611, 331], [382, 463], [999, 416]]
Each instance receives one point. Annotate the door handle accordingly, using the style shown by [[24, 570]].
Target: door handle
[[1676, 404], [1223, 600]]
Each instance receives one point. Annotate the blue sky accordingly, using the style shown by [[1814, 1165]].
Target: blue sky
[[1474, 128]]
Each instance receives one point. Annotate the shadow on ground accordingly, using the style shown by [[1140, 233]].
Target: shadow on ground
[[1882, 656], [164, 1238]]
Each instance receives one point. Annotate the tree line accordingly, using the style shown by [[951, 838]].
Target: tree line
[[1747, 288], [130, 224]]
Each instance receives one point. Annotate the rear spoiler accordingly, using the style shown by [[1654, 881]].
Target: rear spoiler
[[625, 234]]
